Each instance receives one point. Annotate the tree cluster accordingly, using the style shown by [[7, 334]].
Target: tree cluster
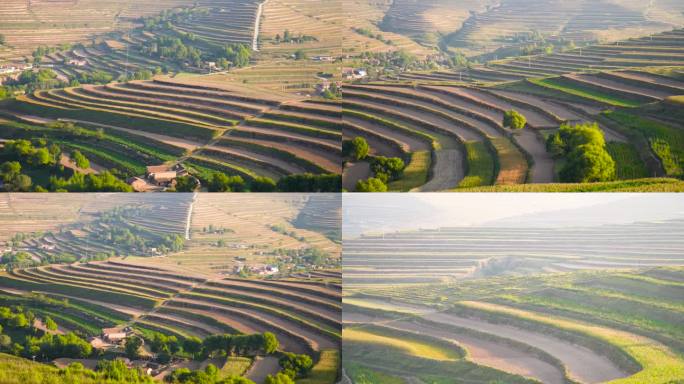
[[355, 149], [514, 120], [210, 375], [294, 365], [243, 345], [308, 182], [583, 148]]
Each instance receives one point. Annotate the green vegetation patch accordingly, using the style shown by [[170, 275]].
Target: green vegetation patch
[[415, 174], [559, 84], [481, 165], [326, 369], [666, 142], [627, 161], [635, 185]]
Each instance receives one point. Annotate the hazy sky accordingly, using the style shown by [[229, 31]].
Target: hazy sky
[[382, 212]]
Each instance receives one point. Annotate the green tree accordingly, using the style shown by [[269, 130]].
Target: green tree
[[584, 148], [270, 342], [80, 160], [588, 163], [10, 170], [5, 341], [356, 149], [186, 183], [513, 119], [279, 378], [220, 182], [22, 183], [371, 185], [50, 324], [192, 345], [132, 347], [41, 157], [295, 365], [387, 168], [262, 184]]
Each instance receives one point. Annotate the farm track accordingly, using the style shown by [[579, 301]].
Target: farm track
[[447, 171], [490, 353], [263, 367], [583, 364]]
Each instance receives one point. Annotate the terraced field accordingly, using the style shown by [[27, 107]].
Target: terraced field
[[254, 228], [498, 27], [458, 115], [447, 253], [587, 304], [304, 314], [29, 24], [211, 128], [214, 282], [455, 124], [27, 212], [112, 39]]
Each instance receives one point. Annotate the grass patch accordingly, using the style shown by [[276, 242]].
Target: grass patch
[[362, 375], [480, 165], [235, 366], [666, 142], [413, 346], [415, 173], [659, 364], [627, 160], [513, 167], [325, 371], [559, 84], [635, 185]]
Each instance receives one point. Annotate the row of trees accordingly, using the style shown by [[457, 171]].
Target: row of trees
[[220, 182], [210, 375], [243, 345], [168, 346]]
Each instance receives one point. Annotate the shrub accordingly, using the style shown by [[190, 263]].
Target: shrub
[[513, 119], [356, 149], [387, 168], [371, 185], [80, 160]]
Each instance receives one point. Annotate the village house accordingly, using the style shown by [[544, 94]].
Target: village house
[[354, 73], [323, 86], [157, 177], [77, 62], [47, 247], [115, 335], [324, 58], [164, 175], [10, 69]]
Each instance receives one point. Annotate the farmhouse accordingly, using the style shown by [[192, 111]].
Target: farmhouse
[[324, 58], [164, 175], [323, 86], [354, 73], [47, 247], [77, 62], [114, 335]]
